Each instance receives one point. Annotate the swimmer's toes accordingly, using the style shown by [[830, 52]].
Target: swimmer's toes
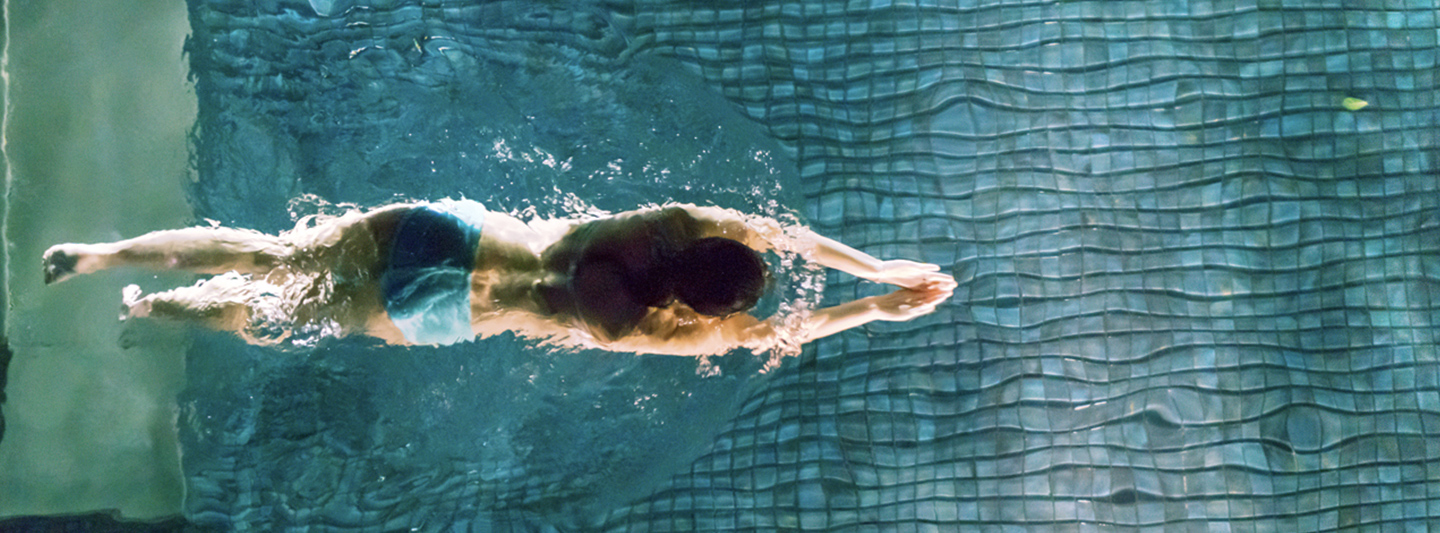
[[131, 304], [59, 265]]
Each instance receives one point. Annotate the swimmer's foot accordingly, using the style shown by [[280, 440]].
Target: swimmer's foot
[[60, 263], [131, 304]]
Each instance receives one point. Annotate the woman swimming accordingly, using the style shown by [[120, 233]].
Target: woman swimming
[[672, 280]]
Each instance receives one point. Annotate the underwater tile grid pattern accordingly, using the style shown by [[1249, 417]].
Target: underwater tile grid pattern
[[1199, 247], [1198, 290]]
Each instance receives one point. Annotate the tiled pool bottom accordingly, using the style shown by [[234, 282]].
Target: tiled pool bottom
[[1198, 291]]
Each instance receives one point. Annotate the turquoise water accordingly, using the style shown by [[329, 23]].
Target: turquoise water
[[1199, 290]]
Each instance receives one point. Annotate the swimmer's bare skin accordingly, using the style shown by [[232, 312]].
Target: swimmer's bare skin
[[506, 283]]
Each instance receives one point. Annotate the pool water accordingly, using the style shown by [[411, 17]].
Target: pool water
[[1198, 279]]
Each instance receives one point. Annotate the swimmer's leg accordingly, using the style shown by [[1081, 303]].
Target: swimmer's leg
[[202, 250], [188, 304], [217, 250], [224, 303]]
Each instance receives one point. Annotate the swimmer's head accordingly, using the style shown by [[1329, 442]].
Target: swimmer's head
[[716, 276]]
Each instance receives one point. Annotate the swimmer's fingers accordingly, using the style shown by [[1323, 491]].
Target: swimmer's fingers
[[907, 304], [911, 274], [939, 281], [904, 273], [928, 267], [932, 295]]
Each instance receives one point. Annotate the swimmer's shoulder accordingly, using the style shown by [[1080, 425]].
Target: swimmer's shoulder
[[615, 229], [678, 223], [757, 232]]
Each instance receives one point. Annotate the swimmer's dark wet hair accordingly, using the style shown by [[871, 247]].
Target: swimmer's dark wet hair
[[716, 276]]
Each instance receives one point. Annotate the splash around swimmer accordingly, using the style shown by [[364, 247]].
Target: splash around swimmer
[[678, 279]]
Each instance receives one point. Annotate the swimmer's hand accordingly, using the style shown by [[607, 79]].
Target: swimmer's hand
[[908, 304], [898, 306], [909, 274], [913, 275]]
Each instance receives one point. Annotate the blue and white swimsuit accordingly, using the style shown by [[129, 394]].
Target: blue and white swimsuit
[[427, 283]]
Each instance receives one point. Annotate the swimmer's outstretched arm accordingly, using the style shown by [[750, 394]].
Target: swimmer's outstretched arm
[[691, 334], [763, 233], [899, 306], [900, 272]]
